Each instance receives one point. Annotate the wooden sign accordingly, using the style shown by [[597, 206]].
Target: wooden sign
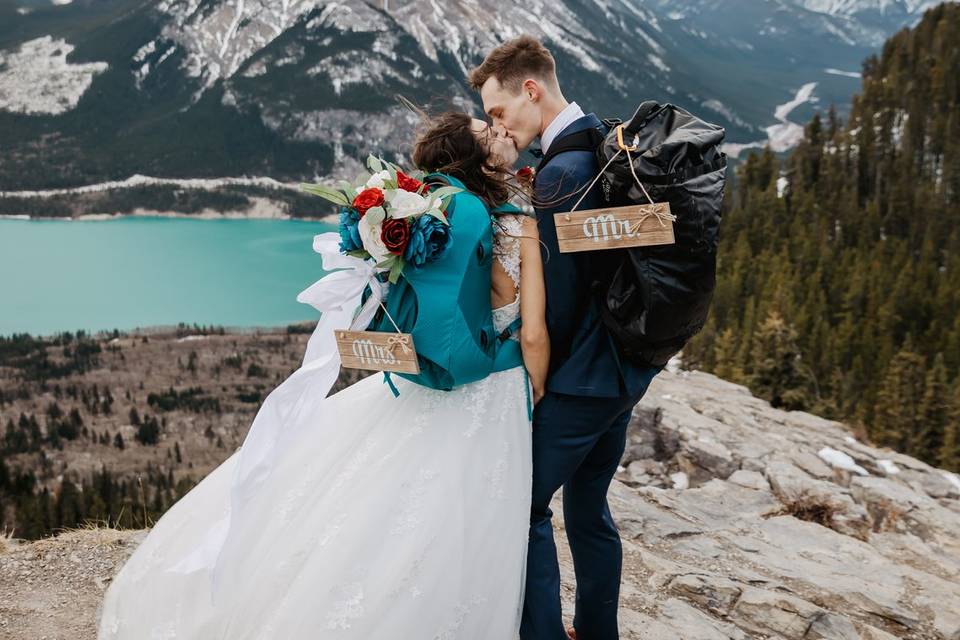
[[639, 225], [378, 351]]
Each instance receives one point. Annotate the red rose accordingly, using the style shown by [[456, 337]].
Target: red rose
[[407, 183], [524, 176], [395, 235], [367, 199]]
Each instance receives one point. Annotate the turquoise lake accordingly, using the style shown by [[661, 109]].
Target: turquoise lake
[[123, 273]]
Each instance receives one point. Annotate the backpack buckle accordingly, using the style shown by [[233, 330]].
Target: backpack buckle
[[622, 144]]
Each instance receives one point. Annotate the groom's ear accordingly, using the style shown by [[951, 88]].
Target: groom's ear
[[532, 90]]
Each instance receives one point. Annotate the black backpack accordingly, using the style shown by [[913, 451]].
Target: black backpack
[[654, 299]]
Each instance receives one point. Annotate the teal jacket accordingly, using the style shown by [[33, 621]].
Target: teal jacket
[[445, 304]]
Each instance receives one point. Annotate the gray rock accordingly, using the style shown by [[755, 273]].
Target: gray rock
[[711, 456], [768, 612], [749, 479], [716, 595], [830, 626]]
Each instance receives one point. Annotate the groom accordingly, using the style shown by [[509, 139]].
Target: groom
[[580, 424]]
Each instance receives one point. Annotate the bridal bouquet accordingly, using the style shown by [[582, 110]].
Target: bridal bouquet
[[390, 217]]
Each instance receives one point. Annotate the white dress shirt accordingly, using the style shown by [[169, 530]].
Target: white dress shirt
[[570, 113]]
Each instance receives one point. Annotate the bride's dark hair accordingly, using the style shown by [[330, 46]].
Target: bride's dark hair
[[447, 144]]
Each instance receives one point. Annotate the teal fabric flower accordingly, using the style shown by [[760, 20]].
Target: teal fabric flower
[[429, 240], [349, 230]]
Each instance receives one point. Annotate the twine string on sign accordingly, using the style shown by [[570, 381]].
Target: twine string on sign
[[399, 341], [623, 148]]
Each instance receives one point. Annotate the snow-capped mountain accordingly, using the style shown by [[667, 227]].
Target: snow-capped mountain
[[102, 89], [859, 7]]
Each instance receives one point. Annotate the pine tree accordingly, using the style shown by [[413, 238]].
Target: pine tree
[[725, 356], [898, 418], [934, 413], [778, 374], [949, 454]]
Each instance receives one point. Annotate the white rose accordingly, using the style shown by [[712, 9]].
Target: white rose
[[372, 242], [404, 204], [376, 180]]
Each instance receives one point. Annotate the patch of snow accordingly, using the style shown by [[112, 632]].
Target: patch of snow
[[804, 94], [888, 467], [192, 337], [898, 126], [138, 180], [853, 7], [785, 135], [60, 3], [734, 149], [782, 183], [724, 110], [36, 78], [680, 480], [658, 62], [838, 72], [674, 363], [850, 439], [840, 460], [952, 478]]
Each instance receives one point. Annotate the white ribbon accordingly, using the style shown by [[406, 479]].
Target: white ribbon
[[338, 297]]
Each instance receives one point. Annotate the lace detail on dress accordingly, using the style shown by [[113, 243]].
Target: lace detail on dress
[[506, 248], [348, 606]]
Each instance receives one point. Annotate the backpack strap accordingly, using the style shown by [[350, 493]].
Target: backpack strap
[[640, 117], [506, 207], [510, 330], [587, 140]]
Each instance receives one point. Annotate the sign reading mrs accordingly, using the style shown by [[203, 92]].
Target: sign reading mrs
[[633, 226], [377, 351], [369, 353]]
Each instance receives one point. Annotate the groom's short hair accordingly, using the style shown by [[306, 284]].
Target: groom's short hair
[[513, 62]]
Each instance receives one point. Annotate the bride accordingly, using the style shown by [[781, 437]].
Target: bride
[[376, 517]]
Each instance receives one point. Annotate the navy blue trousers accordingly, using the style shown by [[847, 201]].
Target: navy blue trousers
[[577, 444]]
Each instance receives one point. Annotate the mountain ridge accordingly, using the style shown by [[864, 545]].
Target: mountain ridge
[[300, 89]]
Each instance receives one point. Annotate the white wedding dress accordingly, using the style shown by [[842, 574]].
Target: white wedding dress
[[394, 518]]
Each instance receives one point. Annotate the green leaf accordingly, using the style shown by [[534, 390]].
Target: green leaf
[[326, 193], [375, 215], [439, 215], [395, 270], [374, 164], [445, 192], [348, 190], [359, 253]]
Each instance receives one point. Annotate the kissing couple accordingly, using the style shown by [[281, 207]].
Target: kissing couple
[[404, 512]]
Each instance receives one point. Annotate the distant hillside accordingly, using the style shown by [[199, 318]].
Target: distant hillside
[[839, 269]]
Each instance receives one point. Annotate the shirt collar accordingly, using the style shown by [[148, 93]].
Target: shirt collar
[[570, 113]]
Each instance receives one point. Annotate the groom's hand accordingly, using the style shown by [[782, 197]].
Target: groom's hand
[[538, 394]]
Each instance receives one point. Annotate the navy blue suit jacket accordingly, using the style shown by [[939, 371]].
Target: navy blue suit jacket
[[583, 358]]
